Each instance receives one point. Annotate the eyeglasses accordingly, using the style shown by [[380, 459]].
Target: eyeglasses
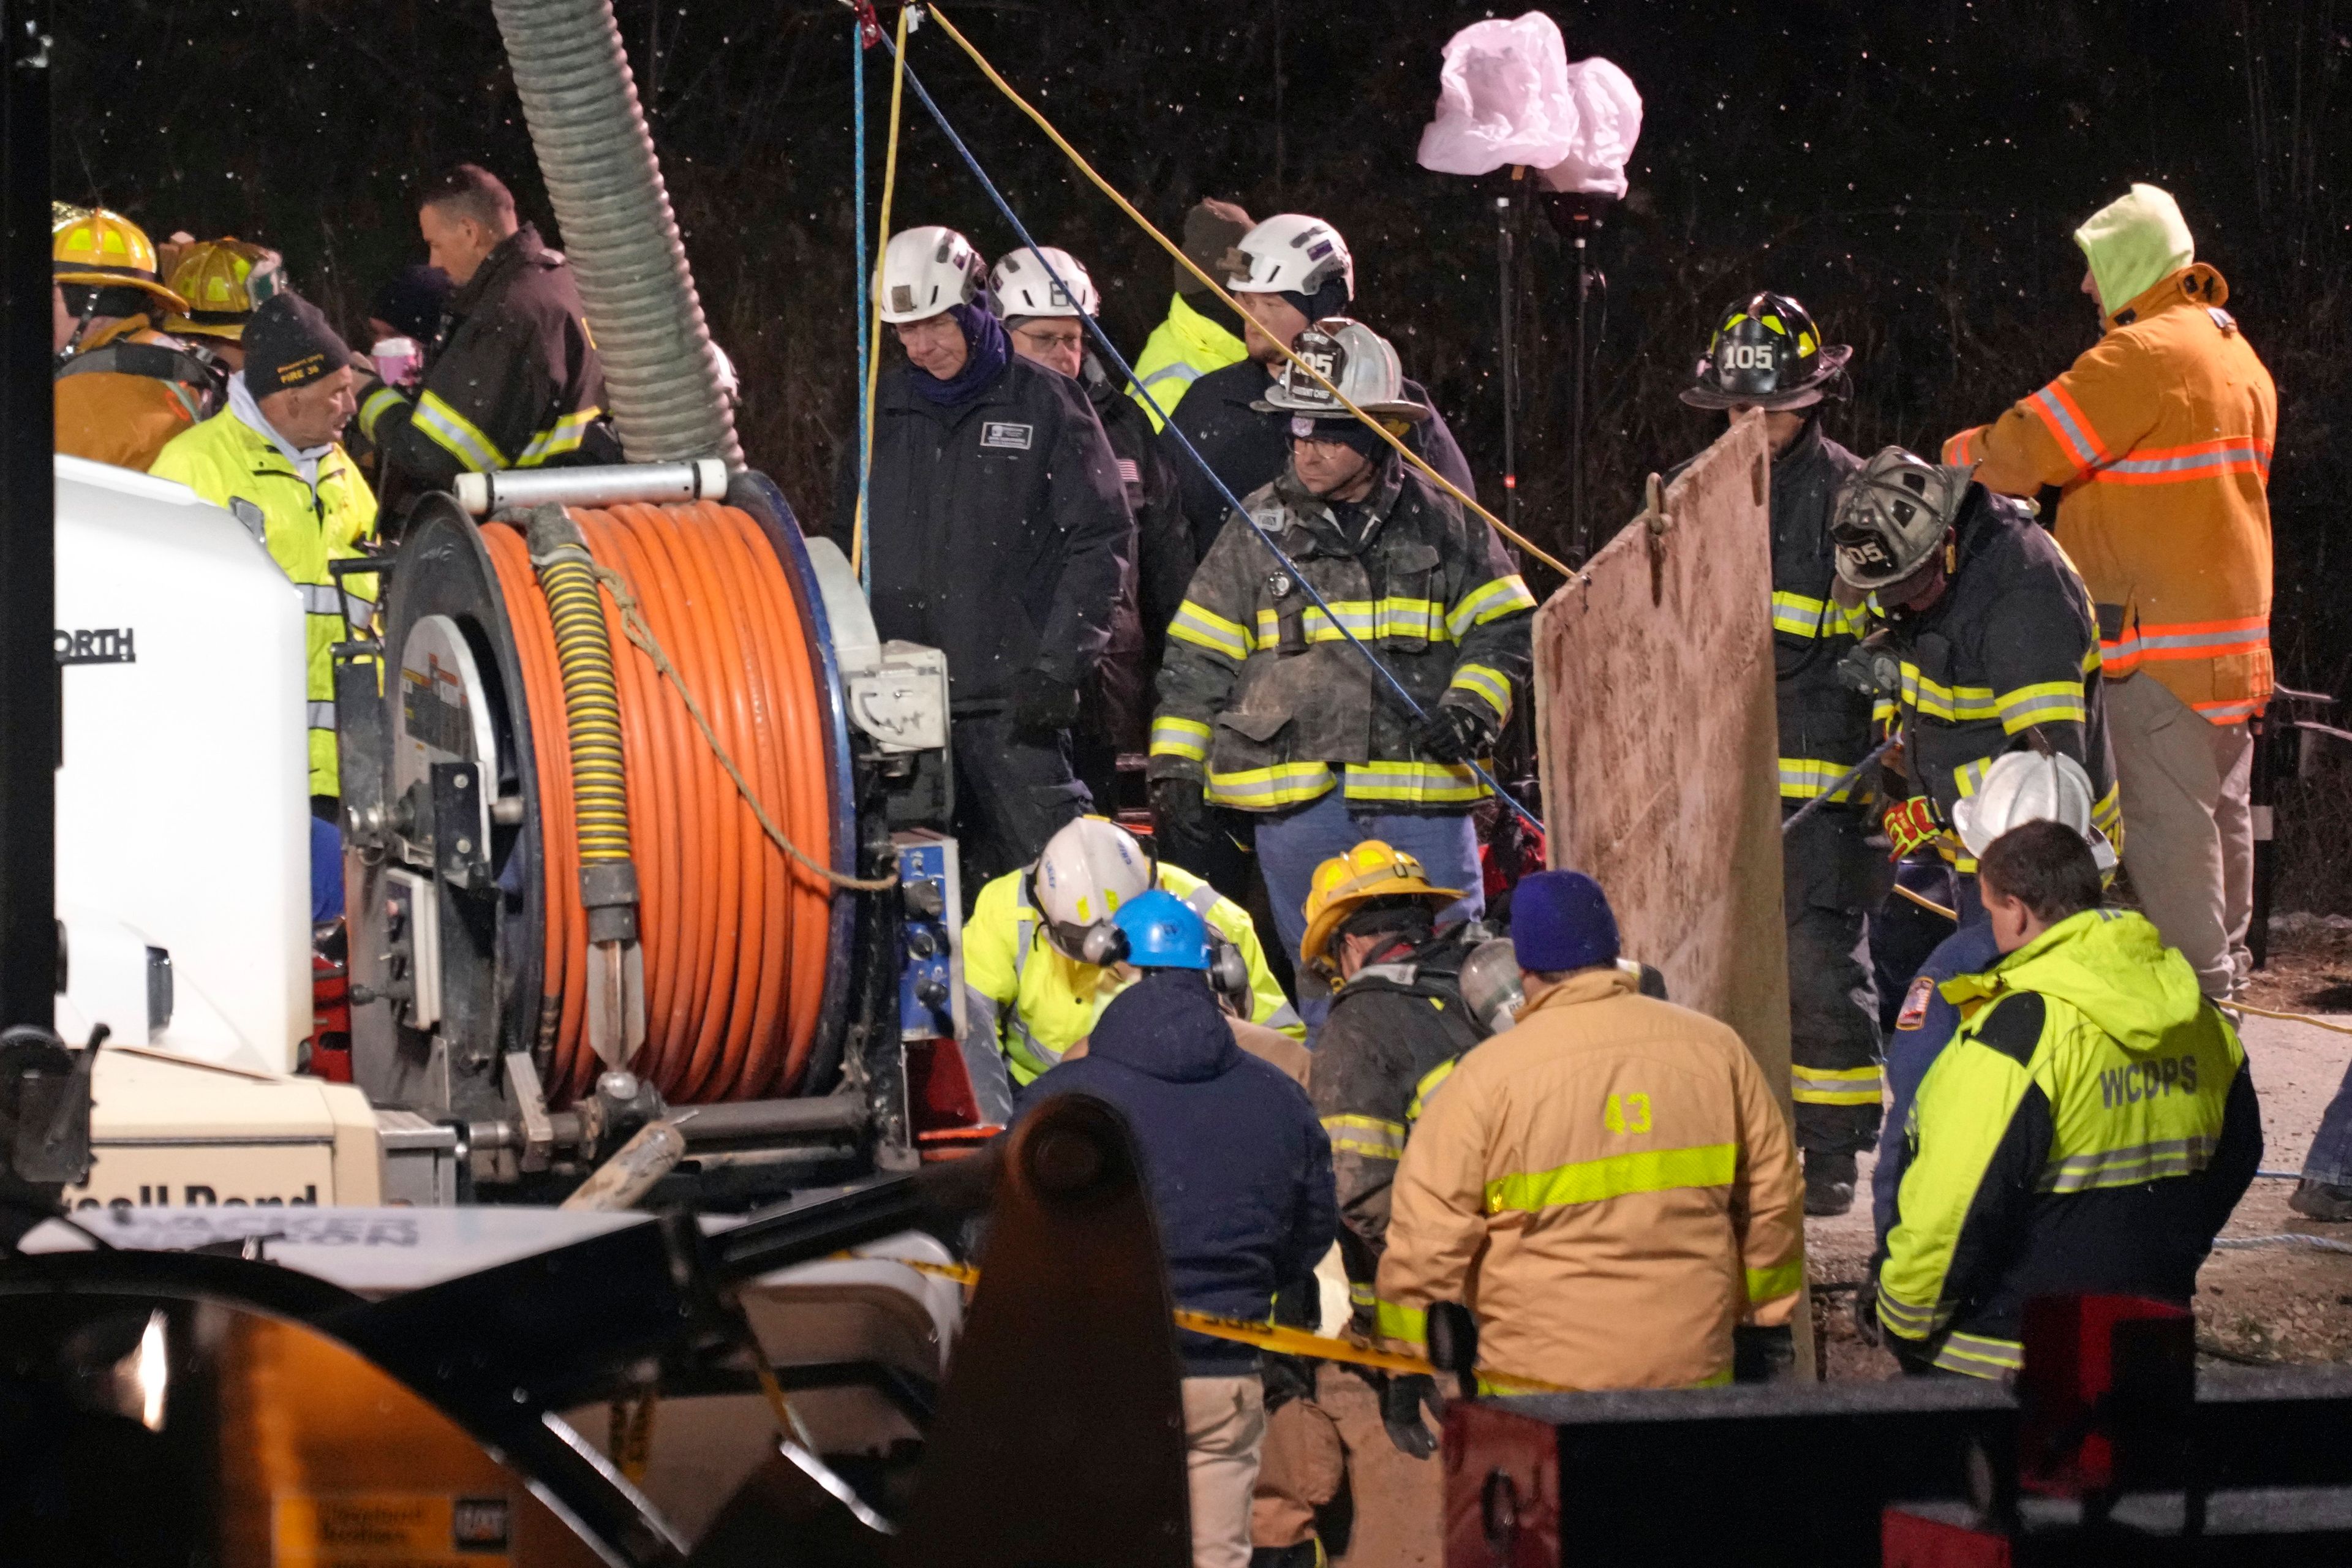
[[1044, 342]]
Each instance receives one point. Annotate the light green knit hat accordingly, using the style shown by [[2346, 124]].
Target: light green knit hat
[[2132, 244]]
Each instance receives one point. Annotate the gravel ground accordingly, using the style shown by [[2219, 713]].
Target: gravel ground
[[2273, 1304]]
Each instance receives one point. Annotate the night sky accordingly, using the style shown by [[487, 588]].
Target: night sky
[[1911, 172]]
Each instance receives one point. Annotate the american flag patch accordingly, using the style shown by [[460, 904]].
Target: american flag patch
[[1128, 474]]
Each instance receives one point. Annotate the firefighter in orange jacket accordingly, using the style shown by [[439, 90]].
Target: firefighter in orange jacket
[[2160, 436], [123, 389], [1609, 1184]]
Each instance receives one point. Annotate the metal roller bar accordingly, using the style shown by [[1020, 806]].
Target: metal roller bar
[[771, 1118], [704, 479]]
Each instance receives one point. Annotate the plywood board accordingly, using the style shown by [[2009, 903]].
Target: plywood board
[[1655, 725], [1654, 717]]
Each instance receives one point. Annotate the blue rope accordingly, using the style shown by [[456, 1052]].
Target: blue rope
[[858, 306], [1102, 342]]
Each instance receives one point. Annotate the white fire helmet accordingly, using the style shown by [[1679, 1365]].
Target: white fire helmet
[[1088, 870], [926, 270], [1358, 361], [1021, 286], [1890, 519], [2029, 786], [1290, 253]]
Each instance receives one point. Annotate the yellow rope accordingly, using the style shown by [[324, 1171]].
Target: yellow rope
[[631, 1442], [874, 359], [1924, 903], [1281, 1341], [2292, 1018], [1173, 249]]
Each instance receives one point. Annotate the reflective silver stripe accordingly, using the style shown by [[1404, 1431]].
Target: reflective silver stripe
[[1978, 1356], [2130, 1167], [1041, 1055], [380, 400], [2221, 457], [1203, 898], [1911, 1322], [1369, 1136], [2231, 637], [321, 599], [322, 714], [1283, 1018], [1025, 933], [1180, 369], [979, 1015]]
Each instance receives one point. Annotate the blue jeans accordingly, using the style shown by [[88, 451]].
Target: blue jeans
[[2330, 1160], [1291, 844], [326, 872], [1924, 1025]]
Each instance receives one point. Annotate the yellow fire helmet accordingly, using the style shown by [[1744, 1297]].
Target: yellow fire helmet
[[1370, 870], [108, 250], [223, 280]]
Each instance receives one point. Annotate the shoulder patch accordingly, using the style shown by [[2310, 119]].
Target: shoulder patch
[[2013, 1025], [1915, 1002]]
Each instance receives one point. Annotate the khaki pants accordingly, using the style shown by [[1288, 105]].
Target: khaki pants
[[1300, 1468], [2189, 838], [1224, 1427]]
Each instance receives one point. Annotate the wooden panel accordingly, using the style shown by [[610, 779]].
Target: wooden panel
[[1660, 749]]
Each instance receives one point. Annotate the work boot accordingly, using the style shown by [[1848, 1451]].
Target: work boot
[[1829, 1183], [2322, 1201], [1308, 1553]]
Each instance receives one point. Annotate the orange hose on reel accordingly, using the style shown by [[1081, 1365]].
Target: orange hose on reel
[[733, 931]]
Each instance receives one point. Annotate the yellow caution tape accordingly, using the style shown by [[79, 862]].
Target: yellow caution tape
[[1286, 1341]]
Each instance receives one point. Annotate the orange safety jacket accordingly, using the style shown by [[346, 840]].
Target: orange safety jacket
[[1608, 1186], [2160, 436], [122, 418]]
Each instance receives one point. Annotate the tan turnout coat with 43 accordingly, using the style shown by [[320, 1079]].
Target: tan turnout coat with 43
[[1610, 1187]]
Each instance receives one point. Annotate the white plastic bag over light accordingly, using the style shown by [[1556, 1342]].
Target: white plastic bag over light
[[1507, 94], [1608, 122]]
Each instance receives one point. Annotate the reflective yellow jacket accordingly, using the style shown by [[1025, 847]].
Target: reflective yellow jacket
[[232, 464], [1037, 1002], [2088, 1131], [1181, 350]]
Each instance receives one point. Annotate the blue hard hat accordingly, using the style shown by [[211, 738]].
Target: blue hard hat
[[1162, 932]]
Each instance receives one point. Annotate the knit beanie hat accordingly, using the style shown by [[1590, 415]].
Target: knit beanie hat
[[1561, 921], [1211, 229], [412, 299], [2132, 244], [1349, 431], [288, 343]]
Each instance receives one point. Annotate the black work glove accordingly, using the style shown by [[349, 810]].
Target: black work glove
[[1865, 1301], [1179, 811], [1872, 667], [1403, 1395], [1761, 1354], [1041, 702], [1458, 732], [1866, 1312]]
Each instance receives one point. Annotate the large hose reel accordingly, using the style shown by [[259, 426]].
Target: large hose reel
[[556, 870]]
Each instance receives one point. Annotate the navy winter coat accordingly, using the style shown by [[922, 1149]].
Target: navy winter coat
[[1237, 1165]]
